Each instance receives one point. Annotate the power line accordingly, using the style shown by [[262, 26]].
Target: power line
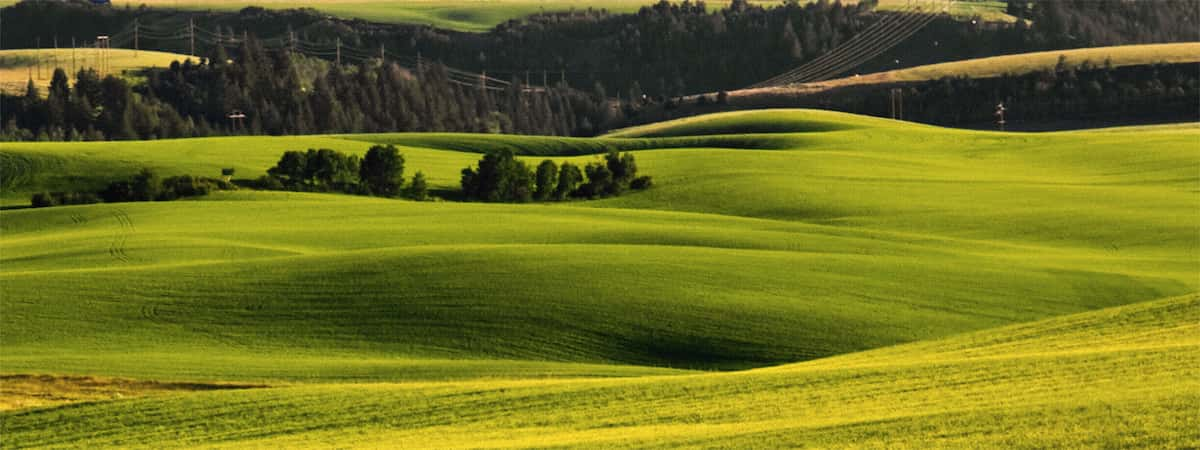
[[876, 39], [870, 32]]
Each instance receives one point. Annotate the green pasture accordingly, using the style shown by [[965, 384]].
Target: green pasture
[[1116, 377], [793, 278]]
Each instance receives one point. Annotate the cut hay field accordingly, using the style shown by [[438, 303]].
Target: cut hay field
[[17, 67], [793, 278]]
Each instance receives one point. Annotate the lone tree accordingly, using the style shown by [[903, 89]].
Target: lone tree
[[382, 170], [418, 189], [547, 180]]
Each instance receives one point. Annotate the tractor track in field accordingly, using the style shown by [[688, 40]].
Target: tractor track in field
[[117, 248]]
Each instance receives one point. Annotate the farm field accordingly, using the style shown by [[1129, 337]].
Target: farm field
[[483, 15], [794, 277], [17, 67]]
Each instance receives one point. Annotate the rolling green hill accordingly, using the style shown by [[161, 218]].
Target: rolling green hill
[[863, 246], [1115, 377]]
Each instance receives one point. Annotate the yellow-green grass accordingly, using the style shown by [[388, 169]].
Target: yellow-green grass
[[1119, 377], [895, 231], [437, 324], [17, 67]]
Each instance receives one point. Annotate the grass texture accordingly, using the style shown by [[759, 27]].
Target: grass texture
[[794, 278]]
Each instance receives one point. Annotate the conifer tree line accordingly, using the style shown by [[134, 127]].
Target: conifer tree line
[[664, 50], [272, 91]]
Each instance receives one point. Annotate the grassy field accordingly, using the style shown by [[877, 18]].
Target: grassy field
[[483, 15], [1115, 377], [17, 67], [794, 278]]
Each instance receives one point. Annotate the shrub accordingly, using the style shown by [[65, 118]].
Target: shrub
[[42, 200], [569, 178], [118, 191], [599, 178], [268, 182], [546, 180], [418, 189], [146, 186], [76, 198], [188, 186], [640, 183]]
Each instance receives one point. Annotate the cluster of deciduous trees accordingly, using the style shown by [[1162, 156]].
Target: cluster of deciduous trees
[[501, 177], [379, 173], [146, 186]]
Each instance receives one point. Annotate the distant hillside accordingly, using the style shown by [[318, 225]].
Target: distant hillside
[[1060, 89], [17, 67], [665, 50]]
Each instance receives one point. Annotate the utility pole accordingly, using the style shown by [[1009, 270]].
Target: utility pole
[[896, 103], [339, 51], [483, 81], [102, 54], [562, 76], [192, 35], [526, 79], [1000, 115], [291, 39], [72, 55], [544, 84], [135, 38], [38, 56], [382, 50]]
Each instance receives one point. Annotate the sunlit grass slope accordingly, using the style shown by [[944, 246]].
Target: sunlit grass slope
[[809, 244], [769, 238], [1118, 377], [188, 288], [17, 67]]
